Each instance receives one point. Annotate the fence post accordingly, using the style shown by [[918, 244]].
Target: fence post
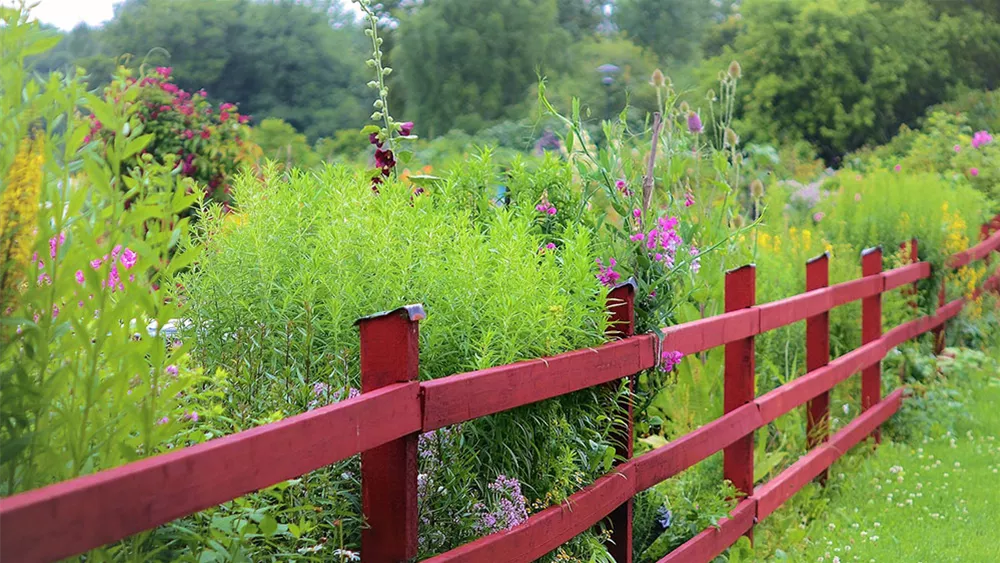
[[737, 459], [984, 233], [871, 329], [390, 354], [818, 355], [621, 302], [939, 331]]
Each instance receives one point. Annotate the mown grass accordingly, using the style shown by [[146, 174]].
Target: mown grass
[[929, 500]]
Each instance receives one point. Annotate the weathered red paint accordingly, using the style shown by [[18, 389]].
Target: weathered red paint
[[871, 330], [71, 517], [707, 545], [704, 334], [547, 530], [389, 355], [818, 354], [738, 388], [939, 331], [621, 302], [458, 398]]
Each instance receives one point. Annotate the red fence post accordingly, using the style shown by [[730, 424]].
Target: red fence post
[[818, 355], [871, 329], [984, 233], [939, 331], [390, 354], [737, 459], [621, 302]]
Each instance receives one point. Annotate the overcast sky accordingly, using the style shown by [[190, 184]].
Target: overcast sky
[[66, 14]]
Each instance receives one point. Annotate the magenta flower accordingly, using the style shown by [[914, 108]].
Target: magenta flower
[[172, 370], [406, 128], [169, 88], [192, 416], [974, 172], [164, 71], [55, 242], [958, 148], [96, 263], [669, 360], [607, 274], [636, 213], [188, 134], [898, 167], [637, 237], [551, 246], [818, 216], [552, 210], [981, 138], [205, 133], [79, 277], [694, 123], [163, 421], [128, 259], [688, 199]]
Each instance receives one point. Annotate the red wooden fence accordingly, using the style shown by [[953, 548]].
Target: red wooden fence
[[383, 424]]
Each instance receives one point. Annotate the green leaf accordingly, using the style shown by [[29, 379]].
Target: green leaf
[[41, 45], [268, 525], [369, 129], [404, 157], [137, 144]]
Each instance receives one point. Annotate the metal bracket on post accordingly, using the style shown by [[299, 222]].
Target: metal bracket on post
[[390, 354]]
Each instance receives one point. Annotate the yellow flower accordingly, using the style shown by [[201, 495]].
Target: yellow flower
[[19, 214]]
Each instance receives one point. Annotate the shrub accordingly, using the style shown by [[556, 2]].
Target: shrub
[[184, 131]]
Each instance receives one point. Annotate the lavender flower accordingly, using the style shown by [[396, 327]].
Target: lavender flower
[[607, 274], [694, 123]]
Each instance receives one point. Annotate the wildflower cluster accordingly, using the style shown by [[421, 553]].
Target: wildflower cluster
[[507, 508], [198, 140], [18, 215], [662, 243]]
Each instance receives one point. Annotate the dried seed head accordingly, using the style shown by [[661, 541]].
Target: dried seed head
[[732, 139], [738, 222], [757, 189], [735, 70], [685, 108], [710, 96], [658, 80]]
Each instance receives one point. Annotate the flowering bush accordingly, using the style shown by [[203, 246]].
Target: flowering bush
[[185, 132]]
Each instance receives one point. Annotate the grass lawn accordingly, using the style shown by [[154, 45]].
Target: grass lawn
[[931, 500]]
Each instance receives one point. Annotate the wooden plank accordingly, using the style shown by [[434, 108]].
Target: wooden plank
[[665, 462], [390, 354], [906, 275], [871, 331], [817, 354], [775, 492], [98, 509], [866, 423], [738, 387], [793, 309], [783, 486], [790, 395], [552, 527], [704, 334], [466, 396], [621, 302], [708, 544], [854, 290]]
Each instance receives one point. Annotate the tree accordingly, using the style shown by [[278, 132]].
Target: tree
[[298, 61], [842, 73], [471, 61], [580, 18], [670, 28]]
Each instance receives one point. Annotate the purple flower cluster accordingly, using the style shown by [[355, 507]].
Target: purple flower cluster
[[662, 241], [622, 187], [436, 440], [321, 395], [510, 507], [694, 123], [981, 138], [688, 199], [669, 360], [545, 208], [385, 160]]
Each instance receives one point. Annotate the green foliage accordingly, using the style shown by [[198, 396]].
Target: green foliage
[[671, 29], [280, 141], [82, 386], [283, 281], [441, 49], [279, 59], [175, 129], [811, 78]]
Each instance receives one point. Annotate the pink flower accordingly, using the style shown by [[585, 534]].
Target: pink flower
[[694, 123], [406, 128], [607, 275], [205, 133], [857, 198], [552, 210], [551, 246], [169, 88], [974, 172], [637, 237], [958, 148], [164, 71], [636, 213], [688, 199], [224, 116], [244, 118], [669, 360], [981, 138], [192, 416], [898, 167], [128, 259], [163, 421], [188, 134], [172, 370], [55, 311], [818, 216], [79, 277], [96, 263], [226, 106]]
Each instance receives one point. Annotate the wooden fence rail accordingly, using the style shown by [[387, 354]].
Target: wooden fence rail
[[383, 424]]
